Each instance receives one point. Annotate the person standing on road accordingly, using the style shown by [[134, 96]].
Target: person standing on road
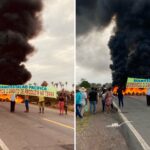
[[78, 103], [66, 105], [93, 100], [84, 99], [42, 99], [103, 99], [12, 102], [109, 98], [67, 98], [41, 104], [120, 97], [61, 102], [26, 103]]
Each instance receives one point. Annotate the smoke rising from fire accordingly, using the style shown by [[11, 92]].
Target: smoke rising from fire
[[130, 43], [19, 22]]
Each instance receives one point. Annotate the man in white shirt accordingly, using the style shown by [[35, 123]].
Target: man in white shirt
[[148, 97], [12, 102], [84, 100]]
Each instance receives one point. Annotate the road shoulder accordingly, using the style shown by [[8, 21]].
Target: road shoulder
[[92, 133]]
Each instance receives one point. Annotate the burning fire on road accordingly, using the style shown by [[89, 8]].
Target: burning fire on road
[[132, 91], [6, 98]]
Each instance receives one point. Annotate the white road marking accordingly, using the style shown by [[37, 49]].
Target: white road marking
[[117, 125], [3, 145], [134, 131]]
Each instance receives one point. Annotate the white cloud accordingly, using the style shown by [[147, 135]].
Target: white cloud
[[93, 56], [54, 58]]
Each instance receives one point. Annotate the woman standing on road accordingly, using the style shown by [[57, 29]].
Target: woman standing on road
[[109, 97], [61, 103]]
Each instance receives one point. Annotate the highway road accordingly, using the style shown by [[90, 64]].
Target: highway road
[[137, 111], [35, 131]]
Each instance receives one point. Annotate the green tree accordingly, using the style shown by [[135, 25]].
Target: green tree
[[85, 84]]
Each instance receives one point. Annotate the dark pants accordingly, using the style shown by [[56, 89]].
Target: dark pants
[[27, 105], [66, 109], [93, 107], [148, 100], [78, 110], [112, 106], [103, 105], [12, 106], [120, 98]]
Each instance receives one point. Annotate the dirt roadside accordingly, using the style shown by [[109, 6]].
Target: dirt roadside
[[92, 132]]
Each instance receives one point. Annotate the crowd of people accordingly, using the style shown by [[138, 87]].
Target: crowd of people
[[85, 100], [83, 96], [63, 100], [26, 101]]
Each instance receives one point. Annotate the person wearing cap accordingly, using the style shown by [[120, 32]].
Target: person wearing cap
[[42, 99], [84, 99]]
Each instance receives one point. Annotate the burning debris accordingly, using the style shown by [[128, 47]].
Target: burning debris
[[131, 91], [19, 22], [6, 98], [130, 43]]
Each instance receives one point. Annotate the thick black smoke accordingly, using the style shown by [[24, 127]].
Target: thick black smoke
[[130, 43], [19, 22]]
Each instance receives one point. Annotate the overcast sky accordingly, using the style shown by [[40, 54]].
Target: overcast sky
[[54, 58], [93, 56]]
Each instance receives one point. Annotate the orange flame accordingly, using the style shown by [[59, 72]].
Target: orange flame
[[6, 97], [132, 91]]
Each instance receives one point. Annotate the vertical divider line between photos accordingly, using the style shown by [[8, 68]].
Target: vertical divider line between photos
[[74, 11]]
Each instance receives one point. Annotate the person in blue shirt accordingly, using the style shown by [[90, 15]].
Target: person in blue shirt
[[78, 103], [26, 101]]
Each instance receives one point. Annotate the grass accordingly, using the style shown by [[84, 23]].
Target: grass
[[81, 124]]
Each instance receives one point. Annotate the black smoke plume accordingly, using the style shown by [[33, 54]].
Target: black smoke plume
[[19, 22], [130, 43]]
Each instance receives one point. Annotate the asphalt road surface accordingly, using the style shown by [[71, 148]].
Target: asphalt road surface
[[137, 111], [35, 131]]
